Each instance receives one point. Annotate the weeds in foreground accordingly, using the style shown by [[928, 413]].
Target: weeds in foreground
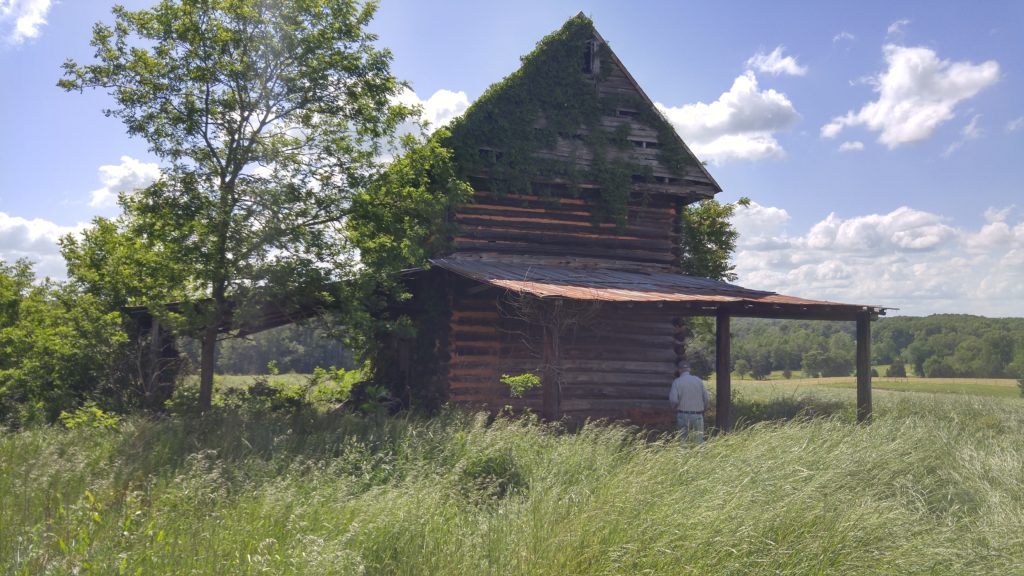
[[932, 486]]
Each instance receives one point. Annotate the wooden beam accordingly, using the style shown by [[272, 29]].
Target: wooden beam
[[863, 367], [723, 376], [549, 379]]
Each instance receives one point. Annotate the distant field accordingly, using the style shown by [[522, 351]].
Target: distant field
[[996, 387], [244, 380]]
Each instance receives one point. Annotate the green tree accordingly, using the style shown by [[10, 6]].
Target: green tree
[[707, 239], [897, 369], [58, 347], [266, 116], [742, 368]]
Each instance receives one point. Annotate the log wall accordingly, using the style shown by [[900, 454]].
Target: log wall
[[564, 226], [618, 364]]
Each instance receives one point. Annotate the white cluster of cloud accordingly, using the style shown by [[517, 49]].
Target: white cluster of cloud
[[130, 175], [21, 20], [967, 133], [844, 35], [439, 109], [1015, 124], [740, 125], [775, 63], [908, 259], [896, 28], [916, 93], [850, 146], [36, 240]]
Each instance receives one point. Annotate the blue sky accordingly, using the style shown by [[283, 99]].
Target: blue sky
[[882, 143]]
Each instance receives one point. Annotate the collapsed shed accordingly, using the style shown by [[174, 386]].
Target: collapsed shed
[[565, 264]]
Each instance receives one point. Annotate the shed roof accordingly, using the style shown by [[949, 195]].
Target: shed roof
[[687, 295]]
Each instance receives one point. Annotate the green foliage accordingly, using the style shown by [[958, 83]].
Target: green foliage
[[89, 416], [502, 131], [464, 494], [325, 389], [268, 116], [295, 348], [58, 348], [707, 239], [742, 368], [401, 218], [936, 346], [520, 384], [120, 268], [897, 369]]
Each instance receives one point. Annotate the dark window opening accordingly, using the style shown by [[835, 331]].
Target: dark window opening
[[490, 154], [590, 63], [645, 144], [627, 113]]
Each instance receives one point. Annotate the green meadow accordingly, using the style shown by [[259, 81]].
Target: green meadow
[[934, 485]]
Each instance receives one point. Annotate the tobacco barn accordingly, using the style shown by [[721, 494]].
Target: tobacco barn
[[566, 262]]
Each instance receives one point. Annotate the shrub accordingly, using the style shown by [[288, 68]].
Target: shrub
[[60, 347], [89, 416], [521, 384], [897, 369]]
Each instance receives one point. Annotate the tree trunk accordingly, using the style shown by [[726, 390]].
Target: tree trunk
[[207, 361]]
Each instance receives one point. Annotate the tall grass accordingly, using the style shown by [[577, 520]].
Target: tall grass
[[934, 485]]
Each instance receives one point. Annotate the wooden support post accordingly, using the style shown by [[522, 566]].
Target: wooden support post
[[723, 376], [863, 367], [550, 384]]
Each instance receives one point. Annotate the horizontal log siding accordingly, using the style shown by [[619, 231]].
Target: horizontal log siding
[[527, 224], [483, 345], [619, 366]]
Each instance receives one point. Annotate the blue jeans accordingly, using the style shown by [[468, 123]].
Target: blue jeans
[[687, 422]]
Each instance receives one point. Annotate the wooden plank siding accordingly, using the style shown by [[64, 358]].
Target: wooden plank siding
[[565, 226], [618, 365]]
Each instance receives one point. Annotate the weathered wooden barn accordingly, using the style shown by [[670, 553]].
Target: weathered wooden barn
[[566, 263]]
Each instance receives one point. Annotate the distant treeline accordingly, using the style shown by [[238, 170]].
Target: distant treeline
[[292, 348], [942, 345]]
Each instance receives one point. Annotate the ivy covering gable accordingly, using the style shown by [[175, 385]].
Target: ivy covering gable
[[551, 98]]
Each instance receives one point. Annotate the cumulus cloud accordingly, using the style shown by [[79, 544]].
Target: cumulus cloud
[[917, 93], [775, 63], [851, 146], [36, 240], [440, 108], [740, 125], [21, 20], [1015, 124], [129, 175], [910, 259], [844, 35]]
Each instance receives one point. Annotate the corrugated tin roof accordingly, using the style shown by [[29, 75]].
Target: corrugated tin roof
[[606, 284]]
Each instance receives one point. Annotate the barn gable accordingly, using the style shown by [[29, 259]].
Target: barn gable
[[568, 156]]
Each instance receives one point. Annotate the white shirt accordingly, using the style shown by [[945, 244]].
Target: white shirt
[[689, 394]]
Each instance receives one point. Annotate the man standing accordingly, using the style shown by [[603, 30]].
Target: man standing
[[690, 398]]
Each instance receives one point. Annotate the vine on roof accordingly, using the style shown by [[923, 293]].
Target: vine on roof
[[502, 132]]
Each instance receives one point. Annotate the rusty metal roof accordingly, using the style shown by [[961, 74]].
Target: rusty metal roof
[[611, 285]]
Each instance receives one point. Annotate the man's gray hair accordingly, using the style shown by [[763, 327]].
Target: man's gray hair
[[683, 365]]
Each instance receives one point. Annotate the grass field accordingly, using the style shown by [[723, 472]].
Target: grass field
[[997, 387], [933, 485]]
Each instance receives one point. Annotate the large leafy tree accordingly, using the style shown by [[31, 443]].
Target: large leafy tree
[[708, 239], [267, 115]]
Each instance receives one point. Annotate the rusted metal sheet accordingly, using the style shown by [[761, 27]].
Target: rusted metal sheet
[[607, 284], [596, 283]]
